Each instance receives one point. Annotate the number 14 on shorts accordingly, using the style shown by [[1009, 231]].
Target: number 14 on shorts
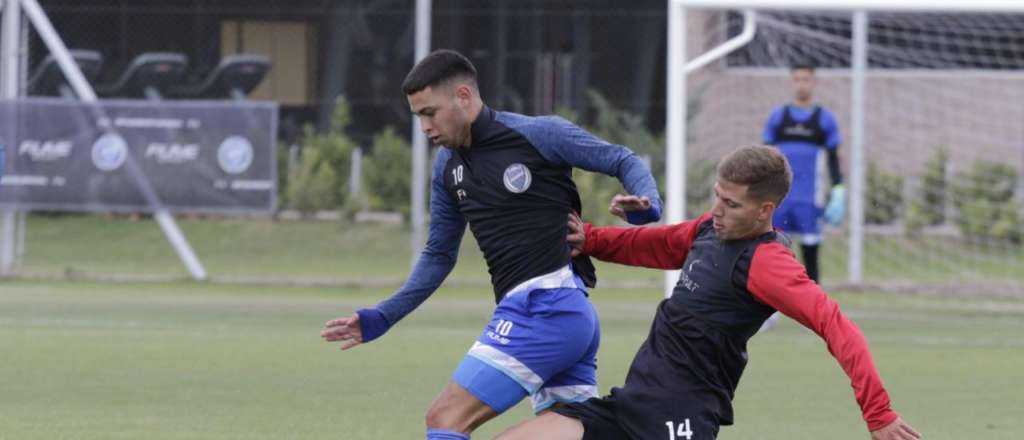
[[679, 431]]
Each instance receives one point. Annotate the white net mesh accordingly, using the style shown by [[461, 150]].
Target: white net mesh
[[943, 141]]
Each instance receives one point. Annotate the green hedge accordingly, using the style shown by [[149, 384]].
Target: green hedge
[[984, 197], [386, 169], [320, 181], [884, 197], [928, 208]]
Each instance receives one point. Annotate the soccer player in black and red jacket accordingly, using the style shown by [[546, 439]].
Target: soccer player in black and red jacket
[[736, 271]]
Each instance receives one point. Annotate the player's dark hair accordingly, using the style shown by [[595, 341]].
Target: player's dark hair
[[440, 66], [763, 169]]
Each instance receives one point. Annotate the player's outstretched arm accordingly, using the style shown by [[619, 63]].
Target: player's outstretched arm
[[897, 430], [777, 279], [436, 261], [562, 142], [658, 247]]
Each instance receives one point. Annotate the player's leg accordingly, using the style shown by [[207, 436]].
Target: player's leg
[[810, 257], [547, 426], [532, 336], [570, 314], [487, 382], [456, 412], [593, 419], [565, 350], [807, 217], [681, 415], [576, 383]]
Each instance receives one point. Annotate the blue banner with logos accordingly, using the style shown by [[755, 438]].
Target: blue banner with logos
[[139, 156]]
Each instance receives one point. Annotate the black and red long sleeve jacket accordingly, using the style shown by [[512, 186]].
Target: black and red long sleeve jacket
[[727, 289]]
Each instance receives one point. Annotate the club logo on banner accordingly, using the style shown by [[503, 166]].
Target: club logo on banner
[[109, 152], [235, 155]]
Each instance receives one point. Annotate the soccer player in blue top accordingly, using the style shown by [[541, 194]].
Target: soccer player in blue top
[[509, 177], [806, 133]]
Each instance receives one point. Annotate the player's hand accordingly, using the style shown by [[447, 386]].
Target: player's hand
[[621, 204], [344, 329], [577, 236], [897, 430], [836, 208]]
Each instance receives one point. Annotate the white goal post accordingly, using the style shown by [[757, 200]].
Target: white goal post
[[679, 67]]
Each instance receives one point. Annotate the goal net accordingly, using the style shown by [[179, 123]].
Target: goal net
[[943, 138]]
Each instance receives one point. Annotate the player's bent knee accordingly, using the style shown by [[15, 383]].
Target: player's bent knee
[[455, 409], [444, 413]]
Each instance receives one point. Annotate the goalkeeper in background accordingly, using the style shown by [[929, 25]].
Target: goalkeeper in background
[[806, 133]]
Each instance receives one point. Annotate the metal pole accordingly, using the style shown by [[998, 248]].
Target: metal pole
[[419, 142], [675, 125], [859, 65], [23, 53], [355, 177], [7, 252], [749, 29], [11, 34], [19, 250], [60, 53], [676, 120], [9, 49]]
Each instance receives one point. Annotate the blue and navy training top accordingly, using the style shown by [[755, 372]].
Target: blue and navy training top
[[513, 187]]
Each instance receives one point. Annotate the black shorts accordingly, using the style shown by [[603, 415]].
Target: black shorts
[[611, 418]]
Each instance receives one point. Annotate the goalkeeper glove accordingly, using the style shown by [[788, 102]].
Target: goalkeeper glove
[[836, 208]]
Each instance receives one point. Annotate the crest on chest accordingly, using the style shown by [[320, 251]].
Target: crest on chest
[[517, 178]]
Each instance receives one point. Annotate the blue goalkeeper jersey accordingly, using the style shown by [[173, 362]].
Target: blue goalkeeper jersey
[[803, 135]]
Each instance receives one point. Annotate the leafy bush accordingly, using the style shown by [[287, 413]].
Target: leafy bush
[[984, 197], [320, 182], [884, 197], [929, 207], [314, 185], [386, 172]]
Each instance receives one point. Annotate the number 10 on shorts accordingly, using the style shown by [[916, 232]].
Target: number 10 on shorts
[[680, 431]]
